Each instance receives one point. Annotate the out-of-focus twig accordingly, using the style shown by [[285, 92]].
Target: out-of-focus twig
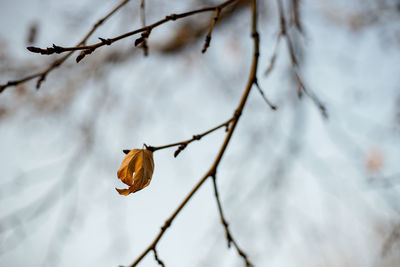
[[143, 21], [274, 55], [301, 87], [272, 106], [88, 49], [42, 75], [393, 237]]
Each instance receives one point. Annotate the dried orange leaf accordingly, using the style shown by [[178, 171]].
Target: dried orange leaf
[[140, 162]]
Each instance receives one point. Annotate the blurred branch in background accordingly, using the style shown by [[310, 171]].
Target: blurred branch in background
[[42, 75]]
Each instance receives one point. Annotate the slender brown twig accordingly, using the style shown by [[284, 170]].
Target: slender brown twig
[[157, 259], [213, 22], [42, 75], [213, 169], [88, 49], [182, 145], [301, 87], [225, 224], [272, 106]]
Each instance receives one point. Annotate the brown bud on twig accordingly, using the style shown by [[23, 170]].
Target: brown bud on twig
[[142, 38], [40, 80], [2, 87], [34, 49], [81, 56], [139, 41], [180, 149], [48, 51], [105, 41]]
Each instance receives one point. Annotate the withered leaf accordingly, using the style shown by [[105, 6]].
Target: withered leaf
[[140, 162]]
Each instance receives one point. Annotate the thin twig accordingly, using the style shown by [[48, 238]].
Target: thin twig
[[213, 169], [311, 95], [272, 106], [42, 75], [393, 237], [272, 60], [225, 224], [182, 145], [157, 259], [88, 49], [142, 13], [213, 22], [296, 15], [143, 21], [295, 67]]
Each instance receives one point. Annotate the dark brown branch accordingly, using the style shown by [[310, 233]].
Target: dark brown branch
[[42, 75], [157, 259], [272, 106], [86, 50], [213, 22], [182, 145], [225, 224], [294, 62], [213, 169]]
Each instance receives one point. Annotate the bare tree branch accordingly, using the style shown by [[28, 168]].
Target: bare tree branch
[[182, 145], [272, 106], [213, 169], [289, 43], [213, 22], [143, 21], [86, 50], [274, 55], [225, 224], [42, 75]]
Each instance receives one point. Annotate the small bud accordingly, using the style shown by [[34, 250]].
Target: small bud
[[176, 153], [34, 49], [80, 57], [57, 49], [105, 41], [138, 41]]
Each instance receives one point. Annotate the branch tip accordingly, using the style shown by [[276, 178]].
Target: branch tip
[[156, 258], [105, 41]]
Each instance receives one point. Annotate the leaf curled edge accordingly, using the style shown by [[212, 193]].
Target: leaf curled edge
[[139, 162]]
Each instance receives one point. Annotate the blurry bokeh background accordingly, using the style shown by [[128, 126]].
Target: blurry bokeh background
[[297, 189]]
